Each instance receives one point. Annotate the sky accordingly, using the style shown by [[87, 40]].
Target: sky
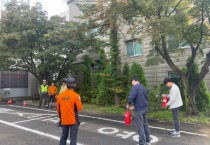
[[53, 7]]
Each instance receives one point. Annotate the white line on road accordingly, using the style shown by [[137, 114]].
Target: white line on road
[[30, 119], [117, 121], [34, 131], [37, 115]]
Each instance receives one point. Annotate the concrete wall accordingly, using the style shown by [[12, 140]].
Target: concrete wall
[[73, 9], [33, 85], [31, 90]]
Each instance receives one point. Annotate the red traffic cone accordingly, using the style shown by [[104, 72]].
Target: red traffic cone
[[24, 103], [10, 102]]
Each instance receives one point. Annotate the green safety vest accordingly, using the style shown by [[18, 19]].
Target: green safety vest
[[44, 88]]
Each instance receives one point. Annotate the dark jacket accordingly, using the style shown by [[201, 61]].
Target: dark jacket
[[138, 97]]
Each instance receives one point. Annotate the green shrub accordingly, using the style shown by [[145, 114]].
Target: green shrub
[[155, 98], [137, 70], [202, 97], [104, 95]]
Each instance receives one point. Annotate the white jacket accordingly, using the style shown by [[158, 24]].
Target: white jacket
[[175, 99]]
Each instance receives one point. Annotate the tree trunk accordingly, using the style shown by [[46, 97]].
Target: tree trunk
[[189, 94], [192, 108], [116, 99]]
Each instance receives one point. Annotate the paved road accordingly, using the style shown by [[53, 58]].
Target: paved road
[[32, 126]]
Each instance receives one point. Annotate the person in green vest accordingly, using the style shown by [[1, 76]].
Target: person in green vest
[[43, 93]]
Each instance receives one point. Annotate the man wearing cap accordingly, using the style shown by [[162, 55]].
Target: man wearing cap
[[43, 93], [68, 105]]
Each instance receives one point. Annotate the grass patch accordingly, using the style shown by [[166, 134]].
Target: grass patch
[[164, 115], [160, 115]]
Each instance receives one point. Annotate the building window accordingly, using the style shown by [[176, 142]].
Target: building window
[[133, 48], [174, 44], [172, 74]]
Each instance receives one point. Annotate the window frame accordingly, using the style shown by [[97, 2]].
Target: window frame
[[134, 41]]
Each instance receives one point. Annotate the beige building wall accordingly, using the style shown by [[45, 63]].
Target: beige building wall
[[156, 73]]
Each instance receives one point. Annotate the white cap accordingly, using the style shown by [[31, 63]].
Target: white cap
[[44, 80]]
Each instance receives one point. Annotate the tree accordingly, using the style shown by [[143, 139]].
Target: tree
[[179, 21], [87, 85], [137, 70], [47, 48], [105, 18]]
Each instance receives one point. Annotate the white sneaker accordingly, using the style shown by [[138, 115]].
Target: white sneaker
[[173, 130], [175, 134]]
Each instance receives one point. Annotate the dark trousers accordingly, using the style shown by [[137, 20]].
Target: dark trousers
[[73, 134], [142, 125], [51, 98], [43, 96], [175, 114]]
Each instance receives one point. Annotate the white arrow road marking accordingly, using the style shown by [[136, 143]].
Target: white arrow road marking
[[34, 131]]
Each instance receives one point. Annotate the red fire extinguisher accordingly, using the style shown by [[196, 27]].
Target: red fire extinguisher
[[127, 117], [164, 101]]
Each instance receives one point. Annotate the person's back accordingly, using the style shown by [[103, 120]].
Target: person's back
[[68, 105], [67, 101], [141, 99]]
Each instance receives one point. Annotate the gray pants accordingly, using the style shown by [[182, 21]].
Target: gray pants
[[175, 114], [73, 134], [142, 125], [43, 96]]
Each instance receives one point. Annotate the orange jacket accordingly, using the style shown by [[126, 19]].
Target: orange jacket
[[52, 90], [66, 102]]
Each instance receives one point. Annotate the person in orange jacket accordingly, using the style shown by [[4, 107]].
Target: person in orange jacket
[[52, 91], [68, 105]]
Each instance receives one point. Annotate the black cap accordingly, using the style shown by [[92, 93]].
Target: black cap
[[166, 80], [70, 82], [135, 78]]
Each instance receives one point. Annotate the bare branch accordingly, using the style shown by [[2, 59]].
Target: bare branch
[[168, 58], [205, 68], [137, 7], [159, 11], [201, 28], [175, 8]]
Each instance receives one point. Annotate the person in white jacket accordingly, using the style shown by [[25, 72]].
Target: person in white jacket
[[175, 102]]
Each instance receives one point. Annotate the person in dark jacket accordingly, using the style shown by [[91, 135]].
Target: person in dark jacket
[[138, 98]]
